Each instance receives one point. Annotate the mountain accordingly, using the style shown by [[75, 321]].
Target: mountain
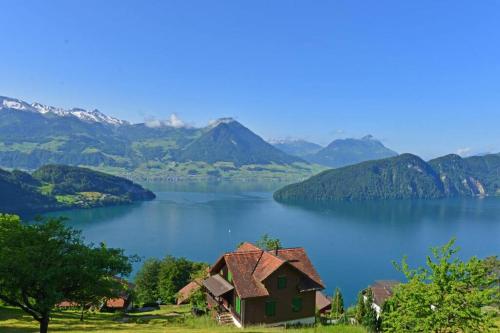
[[32, 135], [229, 141], [94, 116], [344, 152], [402, 177], [55, 187], [299, 148], [471, 176]]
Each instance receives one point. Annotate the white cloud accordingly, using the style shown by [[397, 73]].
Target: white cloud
[[175, 121], [466, 151], [215, 122], [172, 121], [153, 123]]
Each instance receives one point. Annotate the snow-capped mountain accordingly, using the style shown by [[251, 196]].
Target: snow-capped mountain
[[93, 116]]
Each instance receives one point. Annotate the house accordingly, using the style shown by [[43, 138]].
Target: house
[[252, 286], [323, 303], [123, 302], [382, 290], [67, 305], [186, 292]]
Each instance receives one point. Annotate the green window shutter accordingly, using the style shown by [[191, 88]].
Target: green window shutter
[[281, 282], [297, 304], [270, 308], [229, 276], [238, 305]]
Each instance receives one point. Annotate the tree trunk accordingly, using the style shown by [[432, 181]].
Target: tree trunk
[[44, 324], [81, 314]]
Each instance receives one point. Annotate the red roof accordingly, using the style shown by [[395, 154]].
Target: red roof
[[116, 303], [67, 304], [250, 266], [298, 258], [323, 302], [382, 290], [184, 294], [246, 246]]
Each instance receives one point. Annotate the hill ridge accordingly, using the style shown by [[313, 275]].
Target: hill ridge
[[406, 176]]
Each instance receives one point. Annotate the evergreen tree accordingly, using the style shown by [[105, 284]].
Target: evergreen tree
[[360, 308], [337, 304], [370, 318]]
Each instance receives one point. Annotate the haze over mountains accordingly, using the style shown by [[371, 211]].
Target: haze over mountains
[[339, 152], [296, 147]]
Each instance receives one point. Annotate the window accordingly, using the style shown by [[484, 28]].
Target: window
[[281, 282], [238, 305], [270, 308], [229, 276], [297, 304]]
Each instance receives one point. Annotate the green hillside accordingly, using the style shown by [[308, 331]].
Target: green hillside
[[20, 192], [402, 177], [55, 187]]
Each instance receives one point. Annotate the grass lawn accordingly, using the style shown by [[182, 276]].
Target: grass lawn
[[171, 319]]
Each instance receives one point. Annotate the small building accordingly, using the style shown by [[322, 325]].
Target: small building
[[67, 305], [382, 290], [323, 303], [123, 302], [185, 293], [252, 286]]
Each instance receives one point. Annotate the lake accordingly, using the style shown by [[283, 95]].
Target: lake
[[350, 244]]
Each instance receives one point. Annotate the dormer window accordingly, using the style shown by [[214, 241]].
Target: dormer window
[[282, 282]]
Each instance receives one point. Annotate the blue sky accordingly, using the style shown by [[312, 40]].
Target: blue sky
[[423, 76]]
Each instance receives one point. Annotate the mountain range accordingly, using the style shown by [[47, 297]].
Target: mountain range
[[33, 135], [402, 177]]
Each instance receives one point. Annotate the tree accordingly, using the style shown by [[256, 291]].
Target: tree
[[492, 265], [337, 304], [174, 274], [44, 263], [370, 318], [445, 296], [98, 280], [360, 308], [198, 301], [268, 243], [146, 282]]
